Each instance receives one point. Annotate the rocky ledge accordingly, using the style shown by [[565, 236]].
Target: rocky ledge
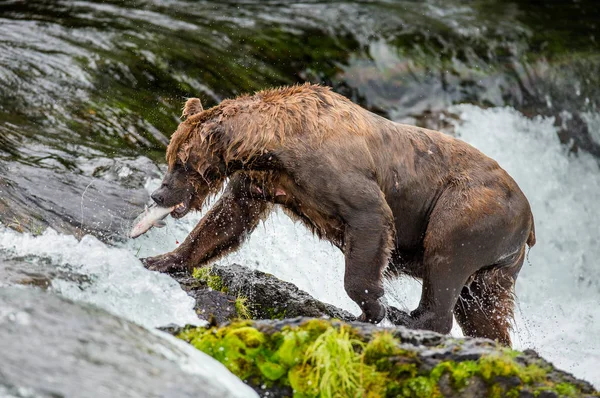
[[289, 344], [309, 357], [231, 292]]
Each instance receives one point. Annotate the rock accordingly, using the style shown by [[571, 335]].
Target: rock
[[476, 388], [406, 362], [52, 347], [315, 356], [214, 304], [263, 295], [280, 357], [20, 271], [574, 132], [102, 199], [273, 298]]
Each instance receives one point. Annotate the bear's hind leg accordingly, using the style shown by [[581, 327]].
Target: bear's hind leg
[[442, 283], [467, 231], [485, 307]]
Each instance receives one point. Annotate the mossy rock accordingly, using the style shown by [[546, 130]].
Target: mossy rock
[[224, 293], [269, 297], [306, 357]]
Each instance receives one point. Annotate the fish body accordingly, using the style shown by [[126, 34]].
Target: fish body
[[151, 217]]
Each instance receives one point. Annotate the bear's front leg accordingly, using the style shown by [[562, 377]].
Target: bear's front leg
[[368, 241], [233, 217]]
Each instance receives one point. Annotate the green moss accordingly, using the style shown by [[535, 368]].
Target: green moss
[[321, 359], [276, 313], [241, 307], [462, 372], [291, 347], [566, 390], [338, 367], [383, 346], [420, 386], [562, 389], [488, 368], [205, 275], [235, 347]]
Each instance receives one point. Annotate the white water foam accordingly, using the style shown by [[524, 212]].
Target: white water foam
[[115, 278], [117, 282], [559, 294]]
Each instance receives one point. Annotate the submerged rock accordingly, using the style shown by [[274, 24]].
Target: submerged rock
[[52, 347], [317, 357]]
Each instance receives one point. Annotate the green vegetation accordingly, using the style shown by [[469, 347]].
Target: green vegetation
[[214, 282], [205, 275], [566, 389], [35, 228], [321, 359], [275, 313], [241, 306]]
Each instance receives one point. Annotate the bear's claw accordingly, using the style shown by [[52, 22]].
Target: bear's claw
[[166, 263]]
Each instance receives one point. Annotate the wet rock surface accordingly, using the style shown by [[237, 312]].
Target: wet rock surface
[[52, 347], [217, 306], [266, 297], [272, 297], [102, 197], [35, 272]]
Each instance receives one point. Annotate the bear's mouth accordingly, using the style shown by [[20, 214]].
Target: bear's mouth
[[181, 209]]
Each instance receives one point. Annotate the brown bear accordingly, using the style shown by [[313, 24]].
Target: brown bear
[[396, 199]]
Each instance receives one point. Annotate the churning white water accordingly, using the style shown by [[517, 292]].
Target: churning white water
[[109, 277], [558, 290]]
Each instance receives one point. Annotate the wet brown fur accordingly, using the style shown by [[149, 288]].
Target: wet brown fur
[[393, 196], [293, 118]]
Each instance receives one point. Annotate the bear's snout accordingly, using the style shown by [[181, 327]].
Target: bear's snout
[[158, 197]]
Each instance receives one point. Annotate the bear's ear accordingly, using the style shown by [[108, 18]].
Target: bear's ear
[[191, 107]]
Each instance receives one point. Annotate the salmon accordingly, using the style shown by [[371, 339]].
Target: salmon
[[152, 216]]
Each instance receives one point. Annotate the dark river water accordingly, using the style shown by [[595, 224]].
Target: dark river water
[[91, 91]]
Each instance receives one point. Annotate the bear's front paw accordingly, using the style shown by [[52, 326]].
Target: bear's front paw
[[166, 263], [373, 313]]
